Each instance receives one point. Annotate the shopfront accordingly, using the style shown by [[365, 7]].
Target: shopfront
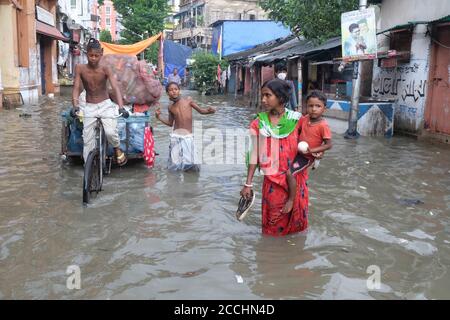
[[47, 34]]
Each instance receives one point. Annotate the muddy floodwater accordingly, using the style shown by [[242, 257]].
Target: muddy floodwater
[[380, 209]]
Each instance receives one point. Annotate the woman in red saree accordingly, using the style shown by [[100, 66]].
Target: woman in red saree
[[275, 137]]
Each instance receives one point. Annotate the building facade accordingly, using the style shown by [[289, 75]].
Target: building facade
[[77, 22], [196, 16], [29, 50], [109, 18], [417, 79], [169, 23]]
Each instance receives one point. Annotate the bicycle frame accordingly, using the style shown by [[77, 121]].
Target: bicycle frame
[[101, 143], [95, 164]]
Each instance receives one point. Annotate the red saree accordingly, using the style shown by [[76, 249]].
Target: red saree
[[275, 188]]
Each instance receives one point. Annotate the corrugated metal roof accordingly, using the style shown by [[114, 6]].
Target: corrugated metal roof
[[282, 49], [301, 47]]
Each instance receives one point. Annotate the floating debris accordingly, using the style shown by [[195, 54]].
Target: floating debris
[[411, 202], [366, 162], [362, 187], [239, 279], [25, 115]]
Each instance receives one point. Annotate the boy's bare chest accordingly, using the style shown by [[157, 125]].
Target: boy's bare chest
[[181, 109], [93, 77]]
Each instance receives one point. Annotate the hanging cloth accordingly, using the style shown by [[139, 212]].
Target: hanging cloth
[[129, 49]]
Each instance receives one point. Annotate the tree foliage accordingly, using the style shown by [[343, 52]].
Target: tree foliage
[[316, 20], [204, 70], [141, 19], [105, 36]]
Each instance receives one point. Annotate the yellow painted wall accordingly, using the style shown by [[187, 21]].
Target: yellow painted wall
[[8, 56]]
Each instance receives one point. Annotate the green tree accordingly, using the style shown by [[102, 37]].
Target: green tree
[[105, 36], [316, 20], [142, 19], [204, 70]]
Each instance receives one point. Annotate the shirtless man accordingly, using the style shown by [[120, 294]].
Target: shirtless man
[[180, 118], [93, 78]]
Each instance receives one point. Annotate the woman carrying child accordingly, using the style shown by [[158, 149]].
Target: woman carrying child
[[275, 135]]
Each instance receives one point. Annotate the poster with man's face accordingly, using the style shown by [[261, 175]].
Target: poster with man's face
[[359, 36]]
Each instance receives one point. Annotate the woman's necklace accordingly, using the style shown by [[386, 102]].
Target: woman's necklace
[[276, 113]]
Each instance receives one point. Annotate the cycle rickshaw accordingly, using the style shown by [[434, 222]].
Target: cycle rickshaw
[[100, 160]]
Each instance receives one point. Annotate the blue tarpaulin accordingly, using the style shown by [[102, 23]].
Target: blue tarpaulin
[[175, 56], [240, 35]]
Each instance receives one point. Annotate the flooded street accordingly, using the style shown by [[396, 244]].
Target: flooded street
[[152, 234]]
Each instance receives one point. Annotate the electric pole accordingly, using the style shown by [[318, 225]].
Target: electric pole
[[352, 132]]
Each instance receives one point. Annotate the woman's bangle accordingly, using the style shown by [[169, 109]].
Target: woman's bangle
[[248, 185]]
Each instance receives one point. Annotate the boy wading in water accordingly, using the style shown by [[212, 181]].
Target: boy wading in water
[[94, 78], [181, 149]]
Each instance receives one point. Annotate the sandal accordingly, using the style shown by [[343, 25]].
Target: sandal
[[244, 206], [121, 159]]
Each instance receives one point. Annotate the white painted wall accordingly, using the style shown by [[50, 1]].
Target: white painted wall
[[81, 13], [397, 12], [407, 83]]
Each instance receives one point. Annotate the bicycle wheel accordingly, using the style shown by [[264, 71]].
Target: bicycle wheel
[[91, 179]]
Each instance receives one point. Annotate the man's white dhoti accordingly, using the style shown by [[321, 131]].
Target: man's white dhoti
[[182, 153], [103, 109]]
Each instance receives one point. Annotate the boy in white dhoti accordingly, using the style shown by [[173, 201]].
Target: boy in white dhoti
[[182, 152]]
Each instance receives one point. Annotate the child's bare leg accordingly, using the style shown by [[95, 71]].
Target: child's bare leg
[[292, 186]]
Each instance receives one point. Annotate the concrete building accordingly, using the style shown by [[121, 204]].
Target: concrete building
[[196, 16], [417, 80], [75, 20], [78, 15], [169, 23], [109, 18], [29, 52]]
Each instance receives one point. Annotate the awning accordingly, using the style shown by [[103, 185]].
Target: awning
[[400, 27], [50, 31], [411, 24], [297, 49]]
